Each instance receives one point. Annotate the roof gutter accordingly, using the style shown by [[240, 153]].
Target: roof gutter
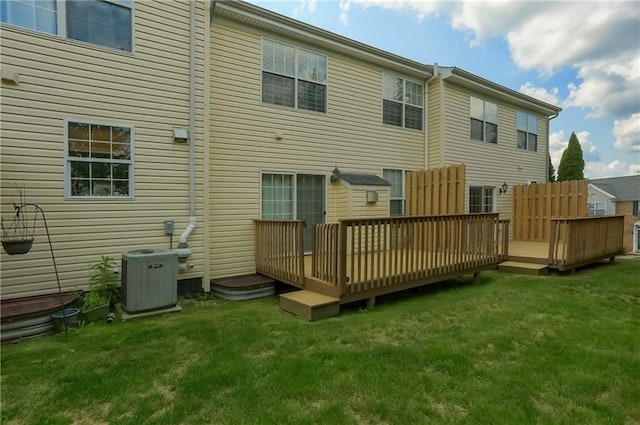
[[483, 85]]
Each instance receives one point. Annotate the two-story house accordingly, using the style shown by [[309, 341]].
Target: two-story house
[[118, 115], [621, 196]]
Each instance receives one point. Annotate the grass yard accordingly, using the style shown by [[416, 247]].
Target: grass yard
[[512, 350]]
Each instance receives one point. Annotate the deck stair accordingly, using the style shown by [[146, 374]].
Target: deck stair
[[523, 268], [310, 305]]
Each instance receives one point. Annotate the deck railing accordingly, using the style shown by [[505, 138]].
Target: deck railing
[[503, 238], [576, 241], [280, 249], [359, 255]]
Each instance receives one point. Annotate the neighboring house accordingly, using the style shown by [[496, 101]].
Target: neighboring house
[[618, 196], [92, 124]]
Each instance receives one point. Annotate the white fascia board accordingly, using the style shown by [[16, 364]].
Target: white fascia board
[[605, 193]]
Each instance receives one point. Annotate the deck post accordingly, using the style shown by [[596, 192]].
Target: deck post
[[476, 278], [612, 259], [342, 257], [300, 243], [371, 303]]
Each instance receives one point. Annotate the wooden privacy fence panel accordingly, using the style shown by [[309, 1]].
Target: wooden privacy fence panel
[[379, 253], [280, 250], [534, 206], [577, 241], [436, 191]]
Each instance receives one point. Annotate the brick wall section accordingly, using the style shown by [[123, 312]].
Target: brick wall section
[[626, 208]]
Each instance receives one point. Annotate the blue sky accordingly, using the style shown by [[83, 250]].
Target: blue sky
[[582, 56]]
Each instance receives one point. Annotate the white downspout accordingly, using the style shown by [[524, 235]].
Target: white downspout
[[546, 177], [183, 248], [426, 115]]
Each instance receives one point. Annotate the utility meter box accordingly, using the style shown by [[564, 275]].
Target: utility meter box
[[149, 280]]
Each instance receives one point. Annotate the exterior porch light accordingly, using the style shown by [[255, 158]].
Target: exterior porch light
[[503, 188], [335, 175]]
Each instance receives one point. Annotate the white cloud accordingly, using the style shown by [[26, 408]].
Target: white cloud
[[602, 169], [627, 133], [549, 96], [305, 6], [597, 38], [344, 6]]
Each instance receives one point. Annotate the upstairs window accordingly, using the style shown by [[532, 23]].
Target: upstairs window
[[293, 77], [103, 22], [481, 199], [34, 15], [484, 120], [596, 208], [107, 23], [99, 161], [402, 102], [527, 126]]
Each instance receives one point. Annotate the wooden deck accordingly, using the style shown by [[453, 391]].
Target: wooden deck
[[363, 258], [573, 242]]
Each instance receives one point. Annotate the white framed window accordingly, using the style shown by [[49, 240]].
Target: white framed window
[[397, 195], [39, 16], [484, 120], [596, 208], [98, 160], [106, 23], [293, 77], [481, 199], [402, 102], [527, 131], [277, 194]]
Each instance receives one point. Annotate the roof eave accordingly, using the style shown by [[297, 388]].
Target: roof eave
[[279, 24], [465, 78]]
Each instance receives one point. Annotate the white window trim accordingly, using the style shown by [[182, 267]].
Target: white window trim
[[527, 132], [61, 17], [295, 77], [494, 198], [404, 103], [404, 187], [68, 159], [294, 175], [484, 121], [596, 209]]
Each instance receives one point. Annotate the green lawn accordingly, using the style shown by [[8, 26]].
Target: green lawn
[[514, 349]]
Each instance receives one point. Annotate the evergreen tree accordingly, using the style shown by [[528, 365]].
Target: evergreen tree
[[552, 171], [572, 163]]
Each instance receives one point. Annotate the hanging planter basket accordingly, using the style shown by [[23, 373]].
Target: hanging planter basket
[[17, 234], [17, 246]]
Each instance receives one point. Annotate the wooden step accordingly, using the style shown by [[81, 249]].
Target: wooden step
[[523, 268], [310, 305]]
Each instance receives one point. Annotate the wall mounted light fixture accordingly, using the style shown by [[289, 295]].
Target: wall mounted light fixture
[[503, 188]]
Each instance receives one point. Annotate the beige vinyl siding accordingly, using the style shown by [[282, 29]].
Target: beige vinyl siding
[[596, 195], [147, 89], [489, 164], [339, 203], [350, 135], [436, 124], [361, 209]]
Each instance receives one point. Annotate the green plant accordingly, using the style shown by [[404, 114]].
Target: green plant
[[103, 282]]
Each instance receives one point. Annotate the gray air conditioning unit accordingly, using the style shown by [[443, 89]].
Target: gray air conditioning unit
[[149, 280]]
